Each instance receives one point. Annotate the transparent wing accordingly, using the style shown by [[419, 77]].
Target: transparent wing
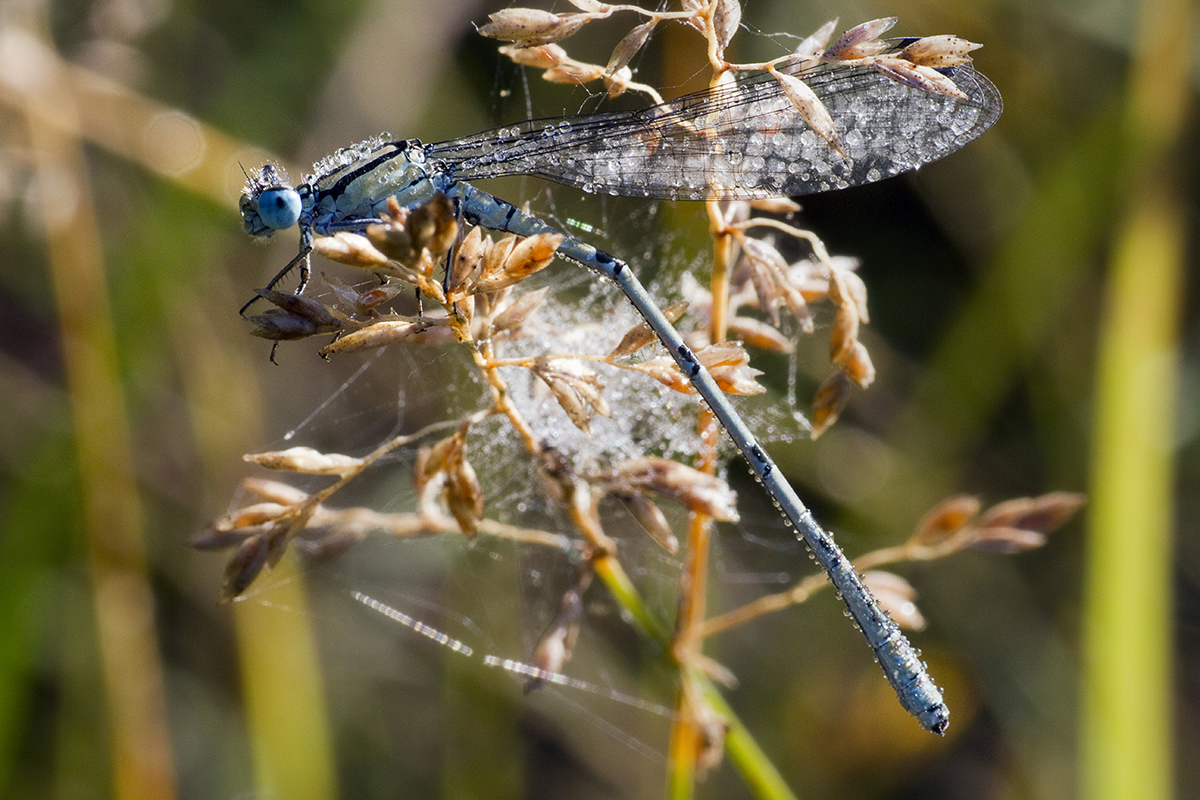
[[746, 140]]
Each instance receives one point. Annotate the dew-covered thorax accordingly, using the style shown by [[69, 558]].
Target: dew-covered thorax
[[356, 182]]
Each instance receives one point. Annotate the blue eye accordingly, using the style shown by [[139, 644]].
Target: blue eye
[[279, 208]]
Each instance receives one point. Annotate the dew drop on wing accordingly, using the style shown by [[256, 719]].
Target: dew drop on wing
[[964, 121], [947, 115]]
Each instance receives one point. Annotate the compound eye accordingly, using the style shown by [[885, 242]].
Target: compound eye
[[279, 208]]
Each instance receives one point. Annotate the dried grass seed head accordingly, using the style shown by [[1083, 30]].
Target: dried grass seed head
[[467, 263], [294, 317], [652, 519], [829, 402], [306, 460], [244, 565], [517, 312], [726, 17], [756, 333], [857, 364], [813, 45], [351, 249], [573, 73], [861, 41], [945, 520], [729, 364], [377, 334], [531, 27], [897, 597], [433, 225], [463, 494], [696, 490], [811, 109], [1046, 513], [513, 259], [844, 334], [939, 51], [629, 46], [927, 79], [576, 388], [641, 334], [542, 57]]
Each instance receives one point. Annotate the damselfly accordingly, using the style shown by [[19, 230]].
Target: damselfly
[[740, 141]]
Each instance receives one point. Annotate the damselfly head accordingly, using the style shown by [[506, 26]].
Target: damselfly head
[[269, 203]]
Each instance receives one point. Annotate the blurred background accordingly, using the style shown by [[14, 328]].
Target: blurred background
[[1034, 327]]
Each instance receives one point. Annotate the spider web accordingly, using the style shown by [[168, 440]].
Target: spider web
[[412, 617]]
